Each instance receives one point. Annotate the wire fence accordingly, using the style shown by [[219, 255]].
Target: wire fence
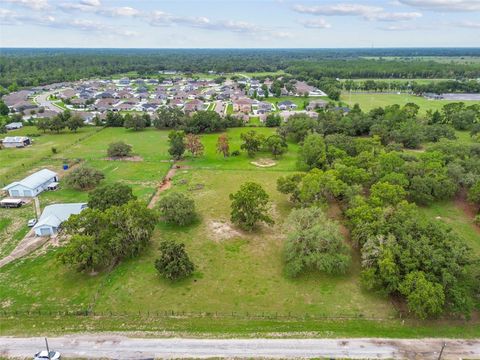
[[245, 315]]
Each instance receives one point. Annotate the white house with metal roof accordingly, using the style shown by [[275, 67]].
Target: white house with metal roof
[[32, 185], [54, 215]]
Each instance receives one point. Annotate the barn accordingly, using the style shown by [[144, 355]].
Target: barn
[[16, 141], [32, 185], [54, 215]]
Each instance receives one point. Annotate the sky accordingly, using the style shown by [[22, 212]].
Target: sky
[[239, 24]]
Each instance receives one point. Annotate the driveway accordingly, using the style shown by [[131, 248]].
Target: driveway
[[111, 346]]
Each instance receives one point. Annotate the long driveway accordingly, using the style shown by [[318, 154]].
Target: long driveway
[[111, 346]]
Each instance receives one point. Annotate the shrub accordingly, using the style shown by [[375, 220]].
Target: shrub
[[249, 206], [119, 149], [83, 178], [173, 263], [176, 140], [176, 208], [314, 243], [108, 195]]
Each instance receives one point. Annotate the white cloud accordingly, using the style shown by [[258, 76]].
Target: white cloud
[[160, 18], [444, 5], [8, 17], [338, 9], [95, 7], [468, 24], [90, 2], [316, 24], [125, 11], [32, 4], [407, 27], [367, 12], [395, 16]]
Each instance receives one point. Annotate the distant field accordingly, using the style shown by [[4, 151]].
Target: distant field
[[418, 81], [370, 101], [440, 59]]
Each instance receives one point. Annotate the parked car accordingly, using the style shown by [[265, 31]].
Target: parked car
[[32, 222], [44, 355]]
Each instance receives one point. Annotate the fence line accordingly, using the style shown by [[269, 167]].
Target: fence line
[[189, 314]]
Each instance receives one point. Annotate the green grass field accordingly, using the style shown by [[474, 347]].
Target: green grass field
[[368, 102], [236, 272]]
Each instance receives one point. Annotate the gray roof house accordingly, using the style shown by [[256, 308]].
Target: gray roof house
[[54, 215], [32, 185], [287, 105]]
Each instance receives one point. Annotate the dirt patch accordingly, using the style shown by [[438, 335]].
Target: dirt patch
[[264, 163], [126, 158], [29, 243], [165, 184], [6, 303], [223, 230]]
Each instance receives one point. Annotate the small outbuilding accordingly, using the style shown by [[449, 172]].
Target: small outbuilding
[[32, 185], [16, 141], [54, 215]]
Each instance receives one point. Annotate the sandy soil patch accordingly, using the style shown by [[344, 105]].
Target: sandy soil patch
[[166, 183], [223, 230], [264, 163]]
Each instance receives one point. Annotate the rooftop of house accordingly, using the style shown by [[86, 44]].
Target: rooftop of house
[[54, 215], [34, 180]]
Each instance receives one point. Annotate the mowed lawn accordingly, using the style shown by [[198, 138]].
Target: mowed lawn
[[368, 102], [235, 271]]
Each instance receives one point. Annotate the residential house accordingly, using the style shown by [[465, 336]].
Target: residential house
[[302, 88], [32, 185], [285, 115], [194, 105], [67, 94], [54, 215], [78, 102], [316, 104], [243, 105], [16, 97], [124, 81], [176, 102], [287, 105], [23, 105], [264, 107]]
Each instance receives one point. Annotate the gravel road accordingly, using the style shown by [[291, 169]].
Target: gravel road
[[122, 347]]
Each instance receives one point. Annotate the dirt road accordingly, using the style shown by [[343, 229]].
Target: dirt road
[[111, 346]]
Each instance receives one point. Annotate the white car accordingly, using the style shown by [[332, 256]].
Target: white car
[[31, 222], [43, 355]]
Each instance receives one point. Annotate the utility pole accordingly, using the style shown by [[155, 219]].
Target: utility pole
[[48, 350], [441, 351]]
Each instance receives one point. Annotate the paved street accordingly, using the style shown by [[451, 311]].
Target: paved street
[[42, 101], [121, 347]]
